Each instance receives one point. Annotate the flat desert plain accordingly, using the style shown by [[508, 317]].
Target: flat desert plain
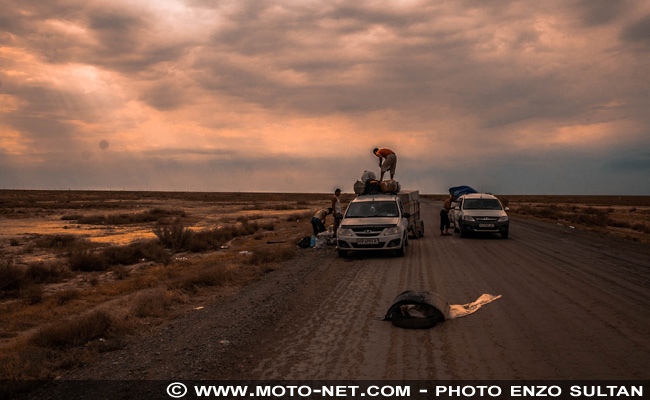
[[86, 274]]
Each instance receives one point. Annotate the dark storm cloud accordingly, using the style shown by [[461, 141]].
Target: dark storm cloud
[[118, 38], [633, 162], [464, 76], [600, 12], [638, 32], [43, 129], [166, 95]]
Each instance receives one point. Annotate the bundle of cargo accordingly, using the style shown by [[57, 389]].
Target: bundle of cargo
[[360, 186], [389, 186]]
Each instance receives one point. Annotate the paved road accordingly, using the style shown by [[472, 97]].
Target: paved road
[[574, 305]]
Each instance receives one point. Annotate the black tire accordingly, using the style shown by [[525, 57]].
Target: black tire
[[456, 229], [421, 231], [343, 253], [400, 252], [402, 321], [463, 233], [504, 234]]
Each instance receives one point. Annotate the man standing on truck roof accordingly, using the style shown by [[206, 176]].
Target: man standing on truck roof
[[318, 220], [336, 205], [387, 161]]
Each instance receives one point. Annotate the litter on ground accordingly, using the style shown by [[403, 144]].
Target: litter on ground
[[423, 309]]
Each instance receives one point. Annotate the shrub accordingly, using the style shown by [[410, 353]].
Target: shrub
[[41, 272], [74, 332], [151, 303], [56, 241], [11, 276], [87, 260], [173, 236], [66, 296], [263, 255], [33, 294], [152, 215], [178, 238], [217, 275], [135, 253]]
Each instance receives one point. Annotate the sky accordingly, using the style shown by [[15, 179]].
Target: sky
[[509, 97]]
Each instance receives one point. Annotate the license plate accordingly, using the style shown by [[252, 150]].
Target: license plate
[[367, 241], [486, 225]]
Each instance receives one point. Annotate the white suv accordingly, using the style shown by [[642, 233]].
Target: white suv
[[480, 212], [373, 222]]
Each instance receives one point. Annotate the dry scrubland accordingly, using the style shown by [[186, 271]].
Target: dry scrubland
[[83, 272], [620, 216]]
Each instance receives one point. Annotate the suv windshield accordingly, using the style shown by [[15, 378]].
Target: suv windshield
[[368, 209], [481, 204]]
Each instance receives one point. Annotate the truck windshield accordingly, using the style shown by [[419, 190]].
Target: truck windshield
[[369, 209], [481, 204]]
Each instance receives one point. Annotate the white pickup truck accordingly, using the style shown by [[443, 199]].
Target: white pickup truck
[[377, 222]]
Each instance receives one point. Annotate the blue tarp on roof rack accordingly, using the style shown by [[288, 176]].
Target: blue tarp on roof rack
[[461, 190]]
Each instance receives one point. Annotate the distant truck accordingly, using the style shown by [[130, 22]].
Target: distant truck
[[380, 222]]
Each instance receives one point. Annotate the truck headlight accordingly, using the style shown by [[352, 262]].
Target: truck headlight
[[392, 231], [468, 218], [503, 219], [344, 232]]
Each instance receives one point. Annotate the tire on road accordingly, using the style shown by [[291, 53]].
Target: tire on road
[[417, 310]]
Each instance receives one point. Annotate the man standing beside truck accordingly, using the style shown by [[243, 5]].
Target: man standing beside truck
[[387, 161], [444, 216], [336, 205]]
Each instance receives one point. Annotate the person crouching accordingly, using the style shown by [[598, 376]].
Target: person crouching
[[318, 220]]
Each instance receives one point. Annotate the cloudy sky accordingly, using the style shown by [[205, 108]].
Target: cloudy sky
[[511, 97]]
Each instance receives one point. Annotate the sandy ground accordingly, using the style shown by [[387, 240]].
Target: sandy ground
[[574, 306]]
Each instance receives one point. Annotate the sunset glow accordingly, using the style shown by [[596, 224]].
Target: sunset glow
[[291, 96]]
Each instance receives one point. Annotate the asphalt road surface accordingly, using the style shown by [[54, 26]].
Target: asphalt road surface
[[574, 305]]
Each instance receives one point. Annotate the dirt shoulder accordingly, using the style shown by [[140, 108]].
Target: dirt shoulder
[[215, 341]]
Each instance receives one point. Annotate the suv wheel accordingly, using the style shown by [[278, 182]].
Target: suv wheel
[[504, 234], [400, 252], [343, 253]]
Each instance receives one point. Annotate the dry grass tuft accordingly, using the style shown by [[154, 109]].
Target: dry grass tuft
[[66, 296], [153, 215], [298, 216], [74, 332], [154, 302], [266, 255], [11, 277], [87, 260], [216, 275], [17, 281], [135, 253]]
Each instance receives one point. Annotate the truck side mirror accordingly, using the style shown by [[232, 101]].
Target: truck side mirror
[[407, 215], [507, 209]]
